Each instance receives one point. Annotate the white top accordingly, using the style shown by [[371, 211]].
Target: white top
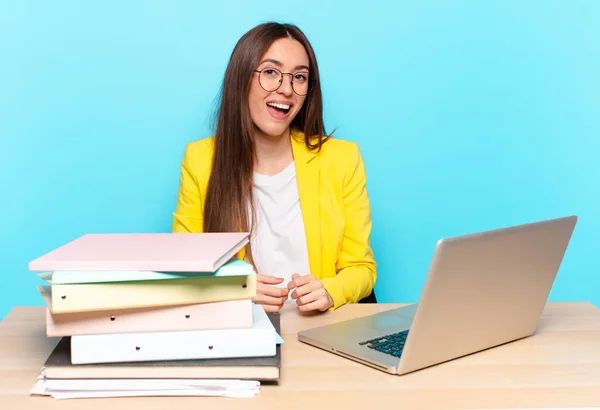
[[279, 241]]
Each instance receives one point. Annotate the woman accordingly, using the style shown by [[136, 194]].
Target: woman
[[271, 170]]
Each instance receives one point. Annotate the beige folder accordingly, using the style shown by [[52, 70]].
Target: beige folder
[[124, 295]]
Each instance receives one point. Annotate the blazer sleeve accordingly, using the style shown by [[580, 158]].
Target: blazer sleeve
[[356, 267], [187, 217]]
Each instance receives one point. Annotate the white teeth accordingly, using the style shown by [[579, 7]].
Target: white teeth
[[282, 106]]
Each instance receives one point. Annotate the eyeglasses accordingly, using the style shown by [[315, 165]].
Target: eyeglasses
[[270, 79]]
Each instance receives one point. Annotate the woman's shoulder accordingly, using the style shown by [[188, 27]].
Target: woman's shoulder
[[338, 155], [339, 149], [339, 160], [333, 149], [197, 159], [200, 148]]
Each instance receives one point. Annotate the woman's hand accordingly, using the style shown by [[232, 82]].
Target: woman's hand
[[309, 293], [272, 298]]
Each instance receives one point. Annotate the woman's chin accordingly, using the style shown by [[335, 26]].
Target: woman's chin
[[273, 132]]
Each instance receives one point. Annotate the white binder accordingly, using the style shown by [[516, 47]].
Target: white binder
[[258, 341]]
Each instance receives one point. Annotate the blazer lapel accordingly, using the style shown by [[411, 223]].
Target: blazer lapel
[[308, 178]]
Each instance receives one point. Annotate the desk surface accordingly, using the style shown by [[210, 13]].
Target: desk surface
[[557, 367]]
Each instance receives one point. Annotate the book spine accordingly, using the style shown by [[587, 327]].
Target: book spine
[[129, 295], [160, 346], [231, 314]]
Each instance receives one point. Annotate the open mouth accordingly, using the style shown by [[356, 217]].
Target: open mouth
[[278, 110]]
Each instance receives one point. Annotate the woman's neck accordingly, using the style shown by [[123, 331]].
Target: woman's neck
[[273, 154]]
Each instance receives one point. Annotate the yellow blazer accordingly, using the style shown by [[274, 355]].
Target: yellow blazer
[[335, 209]]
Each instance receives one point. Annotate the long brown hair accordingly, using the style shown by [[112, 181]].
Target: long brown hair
[[229, 194]]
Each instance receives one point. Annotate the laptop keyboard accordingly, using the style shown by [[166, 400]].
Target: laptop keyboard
[[389, 344]]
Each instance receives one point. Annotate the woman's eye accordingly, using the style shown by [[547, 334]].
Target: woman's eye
[[301, 77]]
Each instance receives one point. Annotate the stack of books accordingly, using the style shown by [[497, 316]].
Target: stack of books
[[161, 306]]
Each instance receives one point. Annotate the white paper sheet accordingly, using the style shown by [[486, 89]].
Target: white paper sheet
[[94, 388]]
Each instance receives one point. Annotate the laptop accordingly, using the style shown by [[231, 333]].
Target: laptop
[[482, 290]]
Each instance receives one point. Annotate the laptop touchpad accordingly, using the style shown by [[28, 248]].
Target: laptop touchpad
[[394, 320]]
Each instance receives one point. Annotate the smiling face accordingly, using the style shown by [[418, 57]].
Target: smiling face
[[272, 110]]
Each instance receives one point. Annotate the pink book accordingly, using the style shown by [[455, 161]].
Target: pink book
[[163, 252], [231, 314]]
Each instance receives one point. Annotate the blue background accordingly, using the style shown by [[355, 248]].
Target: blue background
[[470, 115]]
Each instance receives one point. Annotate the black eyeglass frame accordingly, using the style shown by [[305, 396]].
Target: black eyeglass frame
[[310, 81]]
